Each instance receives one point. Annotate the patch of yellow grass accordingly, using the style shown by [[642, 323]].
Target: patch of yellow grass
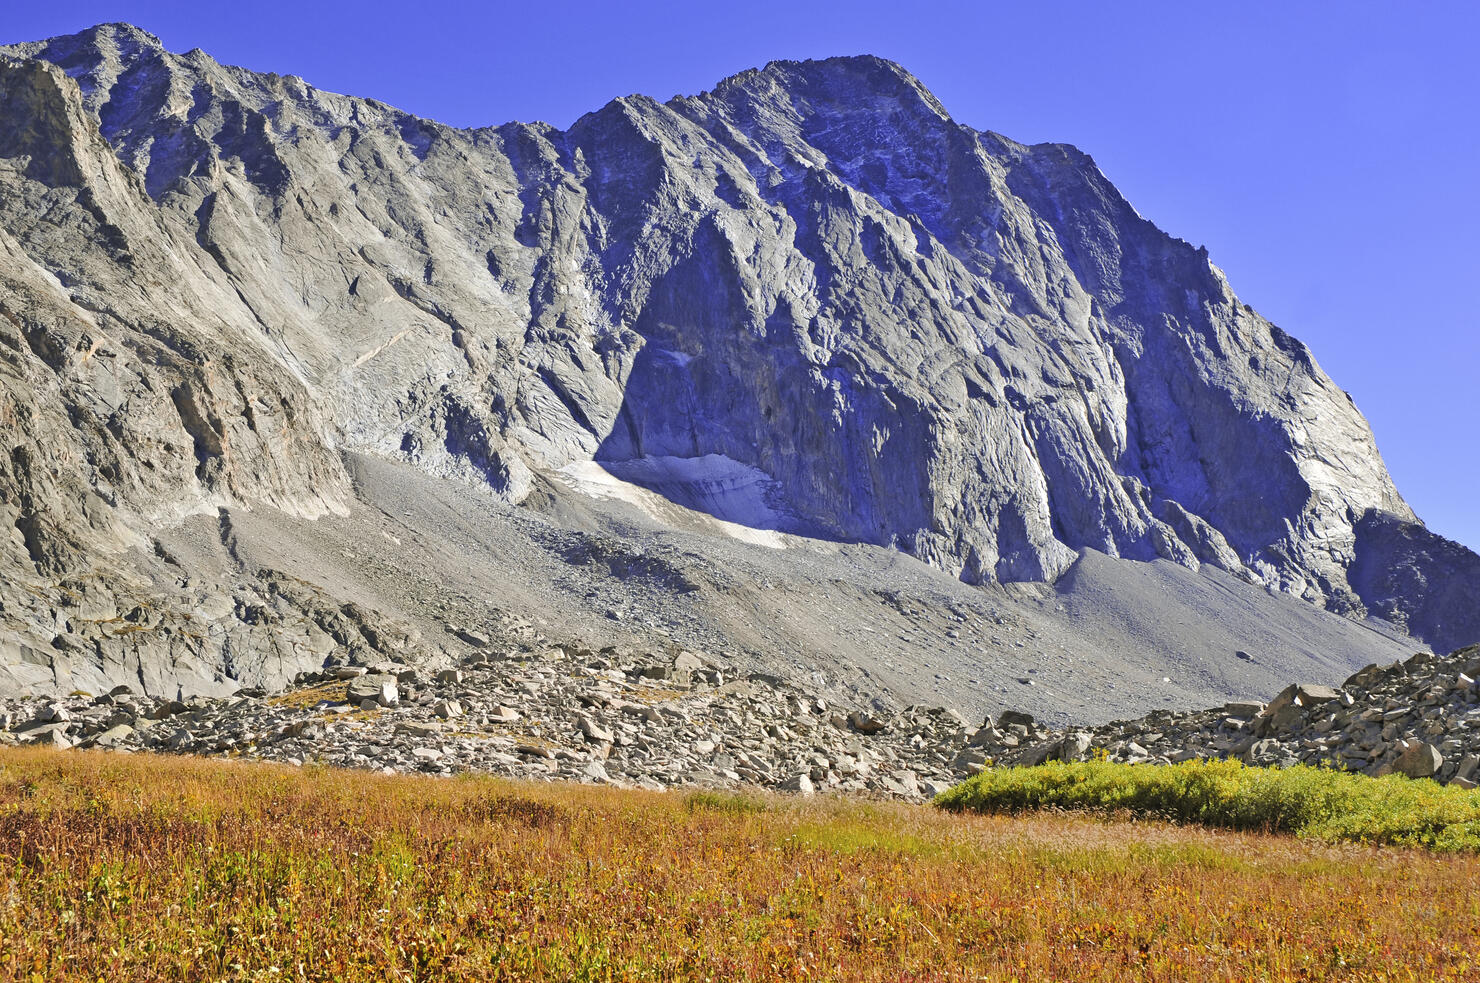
[[160, 868], [333, 691]]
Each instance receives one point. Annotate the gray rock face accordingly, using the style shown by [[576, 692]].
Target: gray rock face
[[807, 300], [1419, 581]]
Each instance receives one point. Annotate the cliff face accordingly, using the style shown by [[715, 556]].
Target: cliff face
[[1423, 583], [924, 336]]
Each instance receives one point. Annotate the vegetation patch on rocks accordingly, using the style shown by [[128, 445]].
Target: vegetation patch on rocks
[[1320, 803]]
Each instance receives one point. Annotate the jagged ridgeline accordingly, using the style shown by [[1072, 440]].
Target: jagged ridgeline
[[906, 332]]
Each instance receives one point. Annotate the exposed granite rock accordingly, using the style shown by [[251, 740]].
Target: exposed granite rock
[[1421, 582], [899, 330]]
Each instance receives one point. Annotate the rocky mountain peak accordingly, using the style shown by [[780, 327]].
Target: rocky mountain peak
[[97, 57], [806, 301], [843, 84]]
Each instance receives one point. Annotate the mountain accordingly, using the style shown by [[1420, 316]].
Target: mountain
[[807, 304]]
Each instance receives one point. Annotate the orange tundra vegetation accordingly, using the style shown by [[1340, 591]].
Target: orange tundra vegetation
[[149, 868]]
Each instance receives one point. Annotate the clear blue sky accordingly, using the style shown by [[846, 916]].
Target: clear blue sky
[[1327, 154]]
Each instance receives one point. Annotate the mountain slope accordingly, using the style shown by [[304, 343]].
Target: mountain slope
[[910, 333]]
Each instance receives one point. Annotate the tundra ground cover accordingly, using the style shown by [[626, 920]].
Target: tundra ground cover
[[1319, 803], [129, 867]]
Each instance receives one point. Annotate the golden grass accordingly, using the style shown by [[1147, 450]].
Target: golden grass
[[152, 868], [333, 691]]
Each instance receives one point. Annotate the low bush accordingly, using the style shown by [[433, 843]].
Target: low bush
[[1320, 803]]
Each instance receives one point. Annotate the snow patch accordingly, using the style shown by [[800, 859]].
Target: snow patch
[[678, 358], [712, 491]]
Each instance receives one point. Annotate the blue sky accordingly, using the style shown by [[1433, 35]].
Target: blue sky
[[1327, 154]]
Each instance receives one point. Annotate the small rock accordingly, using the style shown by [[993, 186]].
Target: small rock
[[54, 737], [1418, 759], [1074, 747], [1264, 752], [53, 713], [114, 734], [905, 781], [1282, 720], [594, 732], [473, 638], [1301, 695], [985, 735], [1244, 710], [801, 784]]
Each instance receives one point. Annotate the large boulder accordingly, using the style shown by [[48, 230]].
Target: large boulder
[[1418, 759], [377, 688]]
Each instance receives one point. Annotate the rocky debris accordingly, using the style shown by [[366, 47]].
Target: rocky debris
[[613, 716], [556, 713], [1419, 717]]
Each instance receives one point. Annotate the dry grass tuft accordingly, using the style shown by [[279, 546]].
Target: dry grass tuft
[[333, 691]]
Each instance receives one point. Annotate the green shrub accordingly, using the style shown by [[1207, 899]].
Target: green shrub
[[1321, 803]]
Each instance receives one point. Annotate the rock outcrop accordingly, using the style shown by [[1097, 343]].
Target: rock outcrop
[[1421, 582], [899, 330], [1419, 718]]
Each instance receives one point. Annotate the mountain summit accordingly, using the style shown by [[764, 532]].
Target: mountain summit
[[806, 301]]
